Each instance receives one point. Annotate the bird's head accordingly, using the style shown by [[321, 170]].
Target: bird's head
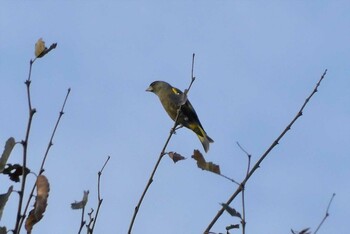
[[157, 86]]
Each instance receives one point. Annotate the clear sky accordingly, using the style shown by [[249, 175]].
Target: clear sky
[[256, 62]]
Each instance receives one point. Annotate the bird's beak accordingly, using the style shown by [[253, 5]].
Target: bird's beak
[[149, 89]]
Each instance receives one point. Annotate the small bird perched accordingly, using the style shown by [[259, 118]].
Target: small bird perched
[[171, 99]]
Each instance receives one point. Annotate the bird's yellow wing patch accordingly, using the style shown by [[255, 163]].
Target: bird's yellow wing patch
[[176, 91], [197, 129]]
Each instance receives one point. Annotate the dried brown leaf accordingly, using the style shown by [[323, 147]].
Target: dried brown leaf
[[203, 164], [231, 210], [175, 156], [304, 231], [36, 214], [81, 204], [3, 199], [10, 143], [42, 187], [15, 171], [232, 226], [40, 48]]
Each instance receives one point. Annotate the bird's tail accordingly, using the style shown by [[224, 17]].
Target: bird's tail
[[203, 137], [205, 141]]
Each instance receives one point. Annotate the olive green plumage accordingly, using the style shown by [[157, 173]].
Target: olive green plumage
[[171, 99]]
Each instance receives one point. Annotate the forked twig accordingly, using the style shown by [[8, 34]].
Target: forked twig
[[44, 159], [100, 200], [82, 221], [248, 155], [257, 164], [162, 153]]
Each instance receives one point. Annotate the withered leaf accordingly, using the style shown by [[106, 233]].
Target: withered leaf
[[42, 188], [10, 143], [204, 165], [39, 47], [81, 204], [232, 226], [41, 50], [231, 210], [36, 214], [304, 231], [175, 156], [3, 199], [15, 171]]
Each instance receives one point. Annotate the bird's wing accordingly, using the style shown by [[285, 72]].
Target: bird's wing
[[177, 97], [190, 116]]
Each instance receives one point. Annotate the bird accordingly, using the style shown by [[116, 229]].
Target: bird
[[172, 98]]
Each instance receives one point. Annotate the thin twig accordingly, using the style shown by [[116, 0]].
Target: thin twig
[[257, 164], [228, 178], [27, 82], [100, 200], [192, 75], [162, 153], [248, 155], [61, 113], [82, 221], [20, 217], [243, 222], [327, 213], [91, 220], [45, 156]]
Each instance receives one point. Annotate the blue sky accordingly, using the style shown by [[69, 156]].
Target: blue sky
[[256, 62]]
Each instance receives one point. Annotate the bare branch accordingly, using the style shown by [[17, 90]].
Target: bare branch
[[20, 217], [53, 132], [272, 146]]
